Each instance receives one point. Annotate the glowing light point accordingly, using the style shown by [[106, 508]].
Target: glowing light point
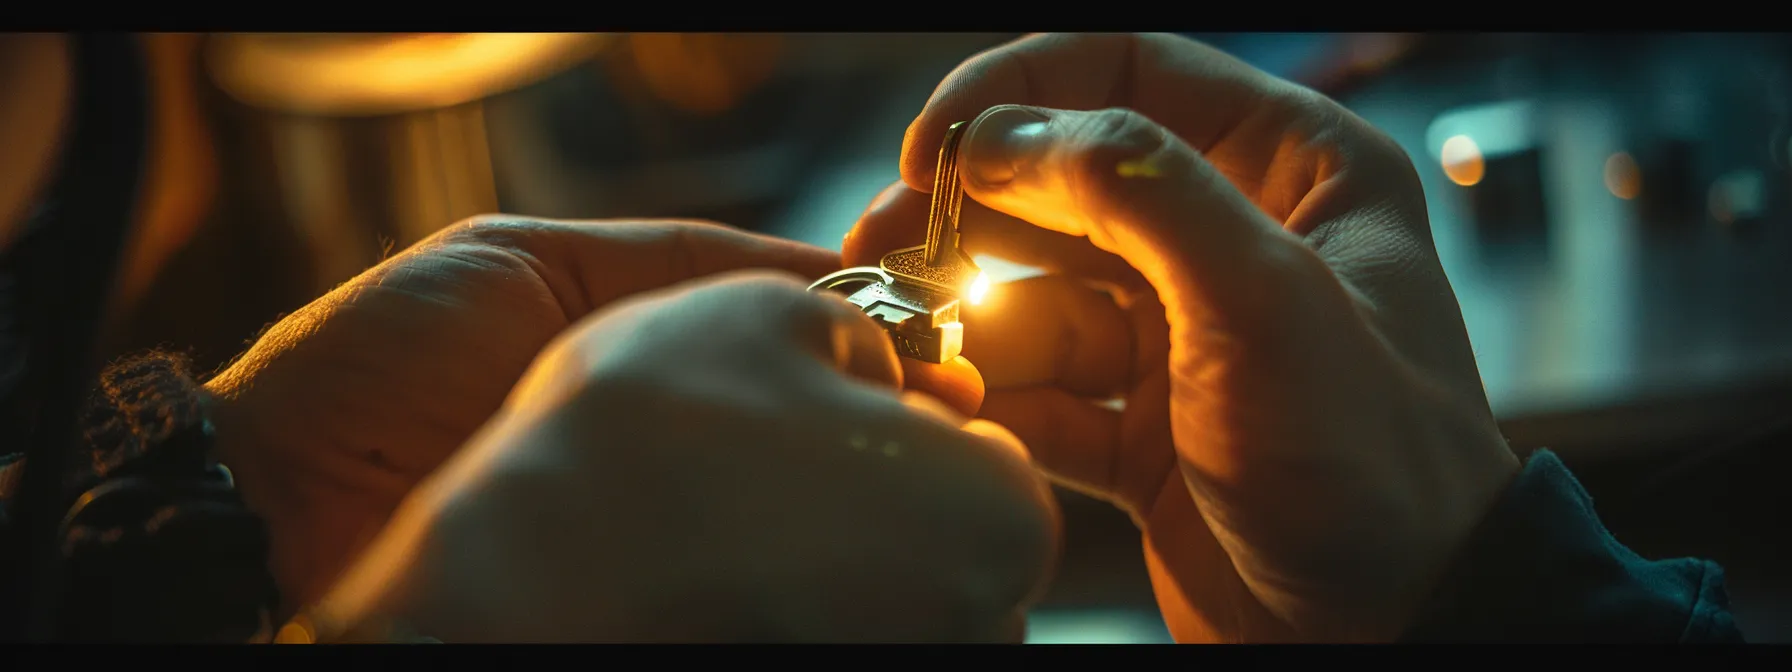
[[1462, 161], [979, 289]]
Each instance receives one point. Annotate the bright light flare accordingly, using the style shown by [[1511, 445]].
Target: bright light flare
[[979, 289]]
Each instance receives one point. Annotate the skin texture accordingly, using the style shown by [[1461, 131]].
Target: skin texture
[[1305, 441], [643, 484], [343, 407]]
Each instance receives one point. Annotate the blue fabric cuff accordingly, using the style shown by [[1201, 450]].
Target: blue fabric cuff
[[1542, 568]]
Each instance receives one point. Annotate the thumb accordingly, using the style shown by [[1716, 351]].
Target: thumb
[[1138, 191]]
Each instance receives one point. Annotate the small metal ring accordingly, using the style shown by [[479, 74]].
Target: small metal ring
[[861, 275]]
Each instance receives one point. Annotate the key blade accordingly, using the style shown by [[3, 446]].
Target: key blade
[[948, 201]]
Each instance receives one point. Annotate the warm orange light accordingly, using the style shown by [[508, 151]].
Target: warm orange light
[[979, 289], [1462, 161], [1622, 177], [705, 73], [357, 74], [181, 177]]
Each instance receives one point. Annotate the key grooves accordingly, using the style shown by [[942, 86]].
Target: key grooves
[[948, 200]]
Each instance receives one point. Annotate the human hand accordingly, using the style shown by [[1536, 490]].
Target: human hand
[[339, 409], [724, 460], [1305, 441]]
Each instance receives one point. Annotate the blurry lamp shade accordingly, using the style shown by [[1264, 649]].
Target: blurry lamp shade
[[376, 74]]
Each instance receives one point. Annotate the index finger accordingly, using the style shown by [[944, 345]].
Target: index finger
[[1197, 92], [589, 264]]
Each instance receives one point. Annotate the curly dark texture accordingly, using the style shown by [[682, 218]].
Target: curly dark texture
[[141, 403], [176, 556]]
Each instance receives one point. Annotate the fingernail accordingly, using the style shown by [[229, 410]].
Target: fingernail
[[999, 141]]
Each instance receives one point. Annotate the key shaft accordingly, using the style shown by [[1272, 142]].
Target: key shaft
[[948, 202]]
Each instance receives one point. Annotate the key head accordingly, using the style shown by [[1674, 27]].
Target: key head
[[905, 306], [921, 318], [954, 276], [922, 324]]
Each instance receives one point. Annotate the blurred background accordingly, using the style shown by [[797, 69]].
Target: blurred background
[[1612, 211]]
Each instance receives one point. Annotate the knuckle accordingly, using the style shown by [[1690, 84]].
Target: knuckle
[[1124, 128], [481, 244], [1330, 123], [497, 230], [686, 245], [1096, 144], [1109, 136], [507, 239]]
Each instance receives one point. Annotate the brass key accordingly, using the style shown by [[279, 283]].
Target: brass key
[[914, 293]]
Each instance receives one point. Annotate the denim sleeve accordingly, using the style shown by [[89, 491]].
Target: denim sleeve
[[1542, 568]]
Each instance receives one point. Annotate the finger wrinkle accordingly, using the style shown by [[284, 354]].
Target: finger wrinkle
[[1304, 169], [520, 239], [1311, 168]]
